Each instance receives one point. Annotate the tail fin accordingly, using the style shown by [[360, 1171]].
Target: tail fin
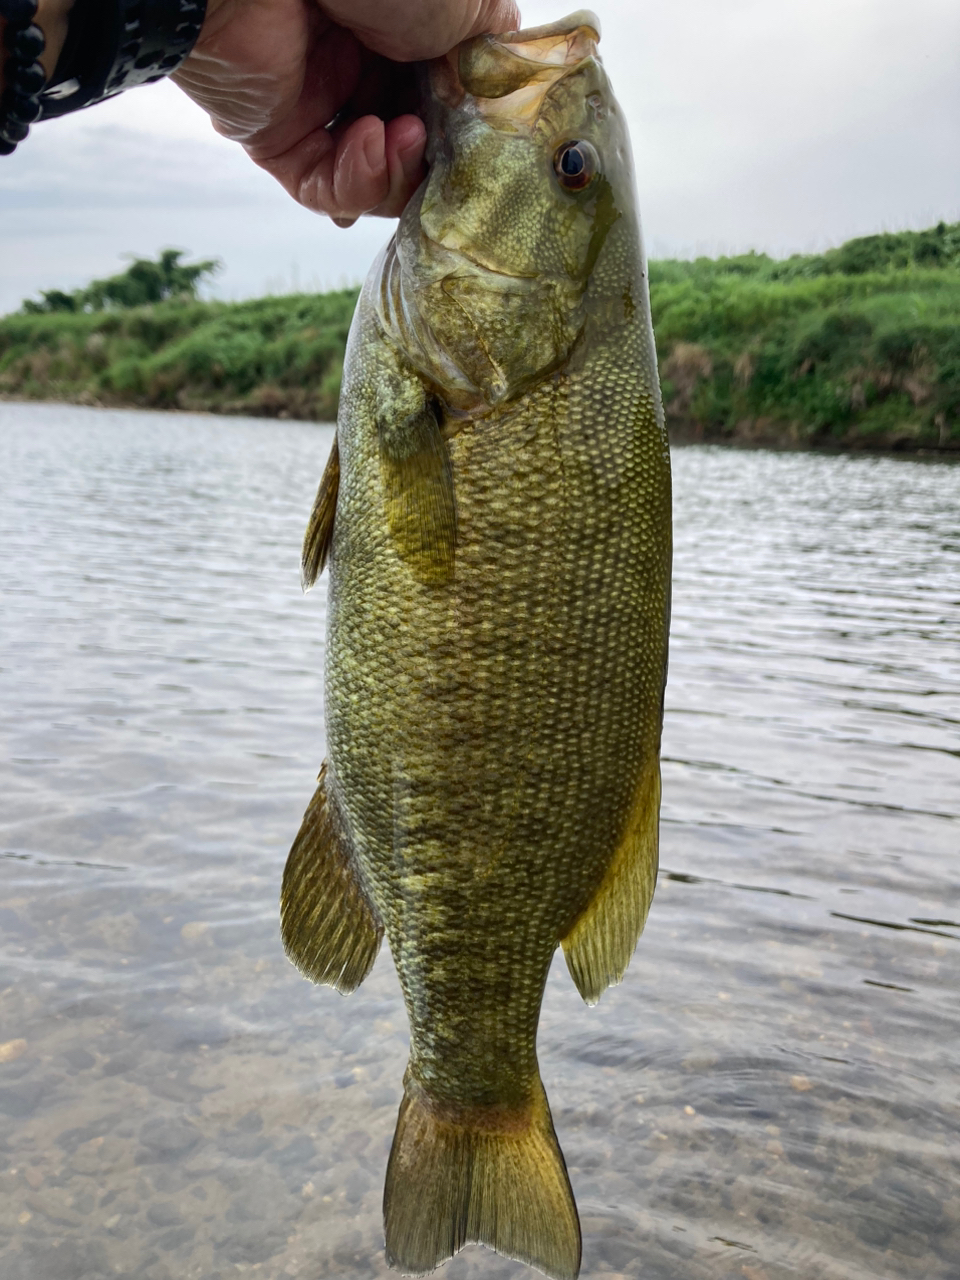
[[485, 1175]]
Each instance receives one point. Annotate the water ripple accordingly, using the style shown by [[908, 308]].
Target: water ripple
[[771, 1091]]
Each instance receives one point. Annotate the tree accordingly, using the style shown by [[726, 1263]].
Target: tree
[[143, 282]]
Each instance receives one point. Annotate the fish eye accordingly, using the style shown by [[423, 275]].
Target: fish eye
[[576, 164]]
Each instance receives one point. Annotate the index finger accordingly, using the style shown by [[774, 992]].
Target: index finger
[[420, 29]]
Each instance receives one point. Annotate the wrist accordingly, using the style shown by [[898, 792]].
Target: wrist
[[52, 17], [60, 56]]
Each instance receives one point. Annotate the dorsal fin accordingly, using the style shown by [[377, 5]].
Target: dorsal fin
[[331, 930], [319, 534]]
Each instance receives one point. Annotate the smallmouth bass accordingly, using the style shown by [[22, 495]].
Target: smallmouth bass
[[496, 518]]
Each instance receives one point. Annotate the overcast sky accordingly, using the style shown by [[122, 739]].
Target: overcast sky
[[782, 125]]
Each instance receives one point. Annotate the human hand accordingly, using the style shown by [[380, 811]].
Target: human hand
[[274, 74]]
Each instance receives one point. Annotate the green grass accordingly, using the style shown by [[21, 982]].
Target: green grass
[[272, 356], [857, 347]]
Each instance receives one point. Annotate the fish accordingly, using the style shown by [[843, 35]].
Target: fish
[[496, 519]]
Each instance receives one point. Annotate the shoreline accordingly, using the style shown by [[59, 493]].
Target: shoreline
[[750, 435], [787, 438], [853, 350]]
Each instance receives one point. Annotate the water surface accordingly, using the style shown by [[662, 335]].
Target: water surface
[[773, 1092]]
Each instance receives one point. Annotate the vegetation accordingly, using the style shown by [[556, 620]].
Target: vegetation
[[272, 356], [859, 346], [856, 347], [142, 283]]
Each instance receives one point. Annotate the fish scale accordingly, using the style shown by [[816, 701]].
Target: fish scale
[[499, 554]]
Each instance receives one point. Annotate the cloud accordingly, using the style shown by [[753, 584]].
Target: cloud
[[84, 191]]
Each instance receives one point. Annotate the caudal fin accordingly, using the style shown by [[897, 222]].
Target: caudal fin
[[487, 1175]]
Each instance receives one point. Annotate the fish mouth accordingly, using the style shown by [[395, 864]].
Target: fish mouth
[[508, 76]]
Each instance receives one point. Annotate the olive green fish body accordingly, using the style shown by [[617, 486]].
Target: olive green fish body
[[498, 605], [489, 734]]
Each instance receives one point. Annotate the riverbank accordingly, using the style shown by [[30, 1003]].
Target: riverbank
[[855, 348]]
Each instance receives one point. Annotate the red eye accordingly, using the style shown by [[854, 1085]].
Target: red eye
[[576, 164]]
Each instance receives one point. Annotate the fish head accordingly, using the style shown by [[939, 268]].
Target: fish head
[[497, 256]]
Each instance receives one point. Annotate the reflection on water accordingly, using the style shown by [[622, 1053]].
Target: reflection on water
[[771, 1093]]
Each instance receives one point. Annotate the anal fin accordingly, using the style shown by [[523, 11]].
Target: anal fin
[[329, 926], [599, 946]]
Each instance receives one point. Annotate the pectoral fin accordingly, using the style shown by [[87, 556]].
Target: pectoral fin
[[417, 481], [599, 946], [330, 927], [319, 534]]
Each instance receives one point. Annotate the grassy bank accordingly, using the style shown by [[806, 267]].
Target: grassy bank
[[858, 347], [271, 356]]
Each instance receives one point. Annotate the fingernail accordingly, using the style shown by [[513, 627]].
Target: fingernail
[[343, 222], [411, 158], [373, 150]]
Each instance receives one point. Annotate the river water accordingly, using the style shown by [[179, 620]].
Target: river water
[[774, 1090]]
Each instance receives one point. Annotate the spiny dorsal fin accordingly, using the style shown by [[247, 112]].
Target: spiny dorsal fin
[[599, 946], [319, 534], [330, 928]]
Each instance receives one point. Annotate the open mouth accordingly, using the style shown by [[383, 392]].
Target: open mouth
[[509, 75]]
